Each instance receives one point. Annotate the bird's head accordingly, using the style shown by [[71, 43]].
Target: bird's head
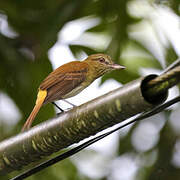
[[100, 64]]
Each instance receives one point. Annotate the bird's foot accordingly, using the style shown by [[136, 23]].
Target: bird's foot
[[58, 107], [73, 105]]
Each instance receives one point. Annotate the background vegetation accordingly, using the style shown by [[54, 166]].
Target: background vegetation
[[136, 34]]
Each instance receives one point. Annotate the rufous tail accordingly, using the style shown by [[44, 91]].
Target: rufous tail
[[39, 102]]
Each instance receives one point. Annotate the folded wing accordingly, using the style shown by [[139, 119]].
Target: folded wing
[[63, 80]]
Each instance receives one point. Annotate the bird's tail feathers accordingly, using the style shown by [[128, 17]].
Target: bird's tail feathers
[[39, 102]]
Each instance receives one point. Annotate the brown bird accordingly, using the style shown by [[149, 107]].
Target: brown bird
[[70, 79]]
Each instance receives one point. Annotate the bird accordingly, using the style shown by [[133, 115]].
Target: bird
[[70, 79]]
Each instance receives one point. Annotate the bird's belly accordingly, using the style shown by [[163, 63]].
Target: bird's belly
[[74, 92]]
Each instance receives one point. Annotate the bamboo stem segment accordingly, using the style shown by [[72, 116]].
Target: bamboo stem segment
[[163, 82], [75, 125]]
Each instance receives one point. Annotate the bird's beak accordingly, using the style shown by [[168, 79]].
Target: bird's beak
[[117, 66]]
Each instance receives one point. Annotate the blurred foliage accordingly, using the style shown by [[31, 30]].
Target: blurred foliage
[[24, 63]]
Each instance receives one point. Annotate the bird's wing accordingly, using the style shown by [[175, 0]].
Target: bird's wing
[[63, 80]]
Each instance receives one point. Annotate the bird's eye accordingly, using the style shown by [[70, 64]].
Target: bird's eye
[[102, 60]]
